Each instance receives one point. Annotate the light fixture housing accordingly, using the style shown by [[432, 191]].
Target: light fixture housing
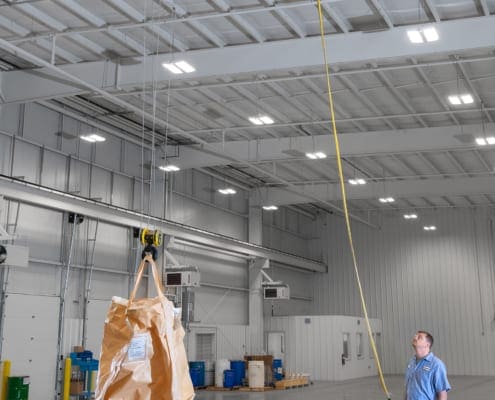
[[422, 35], [357, 181], [460, 99], [261, 120], [430, 228], [386, 199], [169, 168], [317, 155], [227, 191], [270, 208], [93, 138], [179, 67], [483, 141], [410, 216]]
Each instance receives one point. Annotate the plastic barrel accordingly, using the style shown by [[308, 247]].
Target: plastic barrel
[[17, 388], [201, 366], [256, 374], [220, 366], [195, 376], [228, 378], [209, 373], [239, 368], [277, 369]]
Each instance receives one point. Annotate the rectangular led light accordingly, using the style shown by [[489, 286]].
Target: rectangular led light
[[430, 34], [266, 119], [455, 100], [93, 138], [169, 168], [255, 120], [361, 181], [311, 155], [185, 66], [320, 154], [270, 208], [467, 99], [353, 181], [480, 141], [415, 36], [227, 191], [172, 68], [490, 139]]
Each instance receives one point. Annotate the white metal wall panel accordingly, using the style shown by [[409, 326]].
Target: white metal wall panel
[[37, 279], [220, 306], [108, 153], [97, 313], [26, 161], [9, 117], [5, 143], [70, 144], [79, 178], [54, 170], [40, 229], [135, 158], [206, 217], [122, 191], [101, 184], [30, 341], [439, 281], [112, 246], [41, 125], [230, 340]]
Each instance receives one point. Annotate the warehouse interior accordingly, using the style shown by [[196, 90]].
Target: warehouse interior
[[209, 123]]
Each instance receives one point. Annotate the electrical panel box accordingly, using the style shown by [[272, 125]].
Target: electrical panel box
[[186, 276], [281, 292], [14, 256]]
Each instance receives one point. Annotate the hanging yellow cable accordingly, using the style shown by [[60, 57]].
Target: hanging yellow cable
[[344, 202]]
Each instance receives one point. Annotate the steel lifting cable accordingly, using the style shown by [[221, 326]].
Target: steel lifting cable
[[344, 202]]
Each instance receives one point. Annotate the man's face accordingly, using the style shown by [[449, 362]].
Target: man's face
[[420, 343]]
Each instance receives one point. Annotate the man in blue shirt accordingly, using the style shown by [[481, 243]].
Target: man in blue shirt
[[426, 375]]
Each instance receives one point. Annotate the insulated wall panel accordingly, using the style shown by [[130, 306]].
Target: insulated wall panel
[[41, 125], [30, 341], [9, 118], [440, 281], [26, 161], [5, 143], [54, 170]]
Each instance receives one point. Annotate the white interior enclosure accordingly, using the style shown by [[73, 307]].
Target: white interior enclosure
[[328, 347]]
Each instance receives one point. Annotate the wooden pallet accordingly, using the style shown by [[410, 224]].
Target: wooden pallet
[[292, 383], [221, 388], [261, 389]]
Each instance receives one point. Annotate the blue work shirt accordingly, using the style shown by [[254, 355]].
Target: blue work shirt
[[426, 378]]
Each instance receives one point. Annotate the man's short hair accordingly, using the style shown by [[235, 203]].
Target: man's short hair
[[428, 336]]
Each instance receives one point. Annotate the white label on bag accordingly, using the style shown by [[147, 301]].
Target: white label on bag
[[137, 348]]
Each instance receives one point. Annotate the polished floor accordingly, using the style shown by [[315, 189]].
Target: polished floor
[[463, 388]]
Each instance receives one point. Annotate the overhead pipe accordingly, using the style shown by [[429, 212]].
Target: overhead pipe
[[19, 52]]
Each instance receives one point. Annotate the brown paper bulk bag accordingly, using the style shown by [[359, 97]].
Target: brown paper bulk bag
[[142, 353]]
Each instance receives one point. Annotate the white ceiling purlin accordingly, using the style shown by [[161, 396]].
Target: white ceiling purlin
[[269, 56], [341, 22], [437, 95], [432, 9], [286, 18], [367, 102], [382, 12], [197, 25], [241, 21], [457, 163], [398, 95], [484, 7], [405, 189]]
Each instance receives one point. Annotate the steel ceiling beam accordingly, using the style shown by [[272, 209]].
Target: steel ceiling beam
[[52, 199], [459, 186], [255, 58]]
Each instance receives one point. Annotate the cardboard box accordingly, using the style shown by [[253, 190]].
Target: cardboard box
[[78, 349]]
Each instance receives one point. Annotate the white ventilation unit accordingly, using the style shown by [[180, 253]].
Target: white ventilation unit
[[182, 275], [276, 292]]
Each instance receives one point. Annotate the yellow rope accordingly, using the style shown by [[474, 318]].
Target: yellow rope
[[344, 202]]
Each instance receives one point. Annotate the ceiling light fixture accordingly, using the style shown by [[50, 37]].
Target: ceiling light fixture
[[227, 191], [423, 35], [357, 181], [386, 199], [460, 99], [261, 120], [179, 67], [169, 168], [430, 228], [93, 138], [318, 155], [270, 208], [410, 216], [483, 141]]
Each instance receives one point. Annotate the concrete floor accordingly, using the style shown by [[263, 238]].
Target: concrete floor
[[463, 388]]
